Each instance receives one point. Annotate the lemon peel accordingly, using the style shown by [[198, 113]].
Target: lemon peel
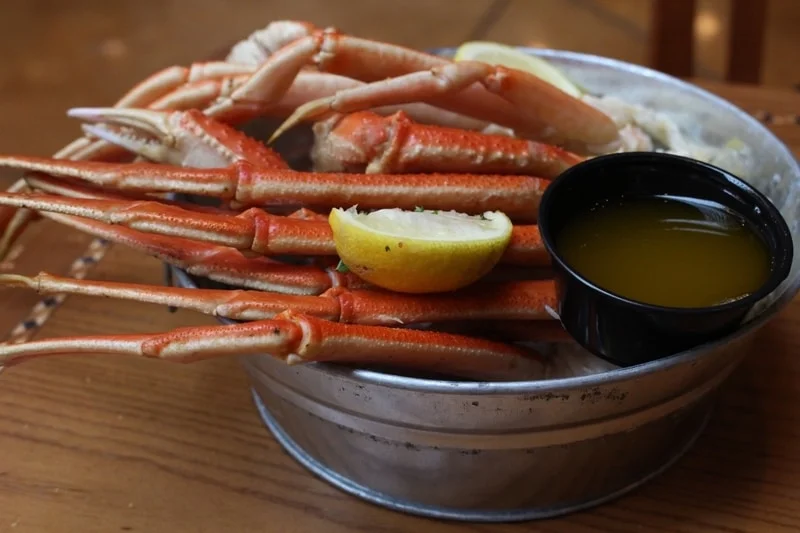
[[420, 251], [508, 56]]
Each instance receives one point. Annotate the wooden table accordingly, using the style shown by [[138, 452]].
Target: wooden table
[[102, 444], [106, 444]]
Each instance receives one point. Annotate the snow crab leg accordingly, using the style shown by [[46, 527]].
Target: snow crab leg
[[516, 300], [365, 141], [362, 141], [248, 185], [298, 339], [253, 230]]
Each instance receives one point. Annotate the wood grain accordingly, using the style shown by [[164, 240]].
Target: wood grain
[[102, 444]]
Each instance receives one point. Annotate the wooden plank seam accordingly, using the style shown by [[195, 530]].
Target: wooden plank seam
[[97, 249]]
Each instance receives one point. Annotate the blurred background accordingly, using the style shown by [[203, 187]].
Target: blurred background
[[56, 54]]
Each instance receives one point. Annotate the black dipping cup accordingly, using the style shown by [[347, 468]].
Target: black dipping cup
[[626, 332]]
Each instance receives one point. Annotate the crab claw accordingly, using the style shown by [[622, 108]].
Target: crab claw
[[182, 138], [140, 131]]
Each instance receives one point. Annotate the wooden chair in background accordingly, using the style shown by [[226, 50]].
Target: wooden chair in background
[[672, 39]]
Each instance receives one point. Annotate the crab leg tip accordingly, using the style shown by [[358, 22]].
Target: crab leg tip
[[87, 113], [146, 120], [16, 280], [152, 151], [101, 132], [307, 111], [278, 132]]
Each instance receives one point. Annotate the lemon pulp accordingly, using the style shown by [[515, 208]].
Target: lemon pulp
[[419, 251]]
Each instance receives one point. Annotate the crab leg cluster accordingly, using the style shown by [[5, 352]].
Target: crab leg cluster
[[393, 128], [252, 230], [291, 63]]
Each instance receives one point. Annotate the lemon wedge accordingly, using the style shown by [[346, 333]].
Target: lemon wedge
[[419, 251], [508, 56]]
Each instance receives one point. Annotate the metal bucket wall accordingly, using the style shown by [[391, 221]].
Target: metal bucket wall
[[493, 456]]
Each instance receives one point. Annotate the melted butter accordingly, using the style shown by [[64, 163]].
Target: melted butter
[[666, 251]]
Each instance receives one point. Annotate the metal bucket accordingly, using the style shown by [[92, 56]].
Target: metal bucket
[[525, 450]]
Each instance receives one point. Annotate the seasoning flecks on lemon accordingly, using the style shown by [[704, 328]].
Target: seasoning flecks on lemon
[[419, 251]]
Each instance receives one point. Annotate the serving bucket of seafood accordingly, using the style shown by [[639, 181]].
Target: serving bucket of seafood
[[461, 377], [585, 431]]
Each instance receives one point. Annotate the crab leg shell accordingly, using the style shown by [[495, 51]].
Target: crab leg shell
[[504, 96], [307, 86], [187, 138], [44, 183], [233, 304], [538, 108], [430, 351], [14, 221], [370, 61], [175, 87], [261, 44], [526, 247], [366, 141], [48, 184], [219, 263], [517, 196], [70, 189], [154, 90], [167, 80], [516, 300], [299, 339], [522, 300], [184, 345], [422, 86], [254, 229], [564, 119], [155, 86], [194, 139]]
